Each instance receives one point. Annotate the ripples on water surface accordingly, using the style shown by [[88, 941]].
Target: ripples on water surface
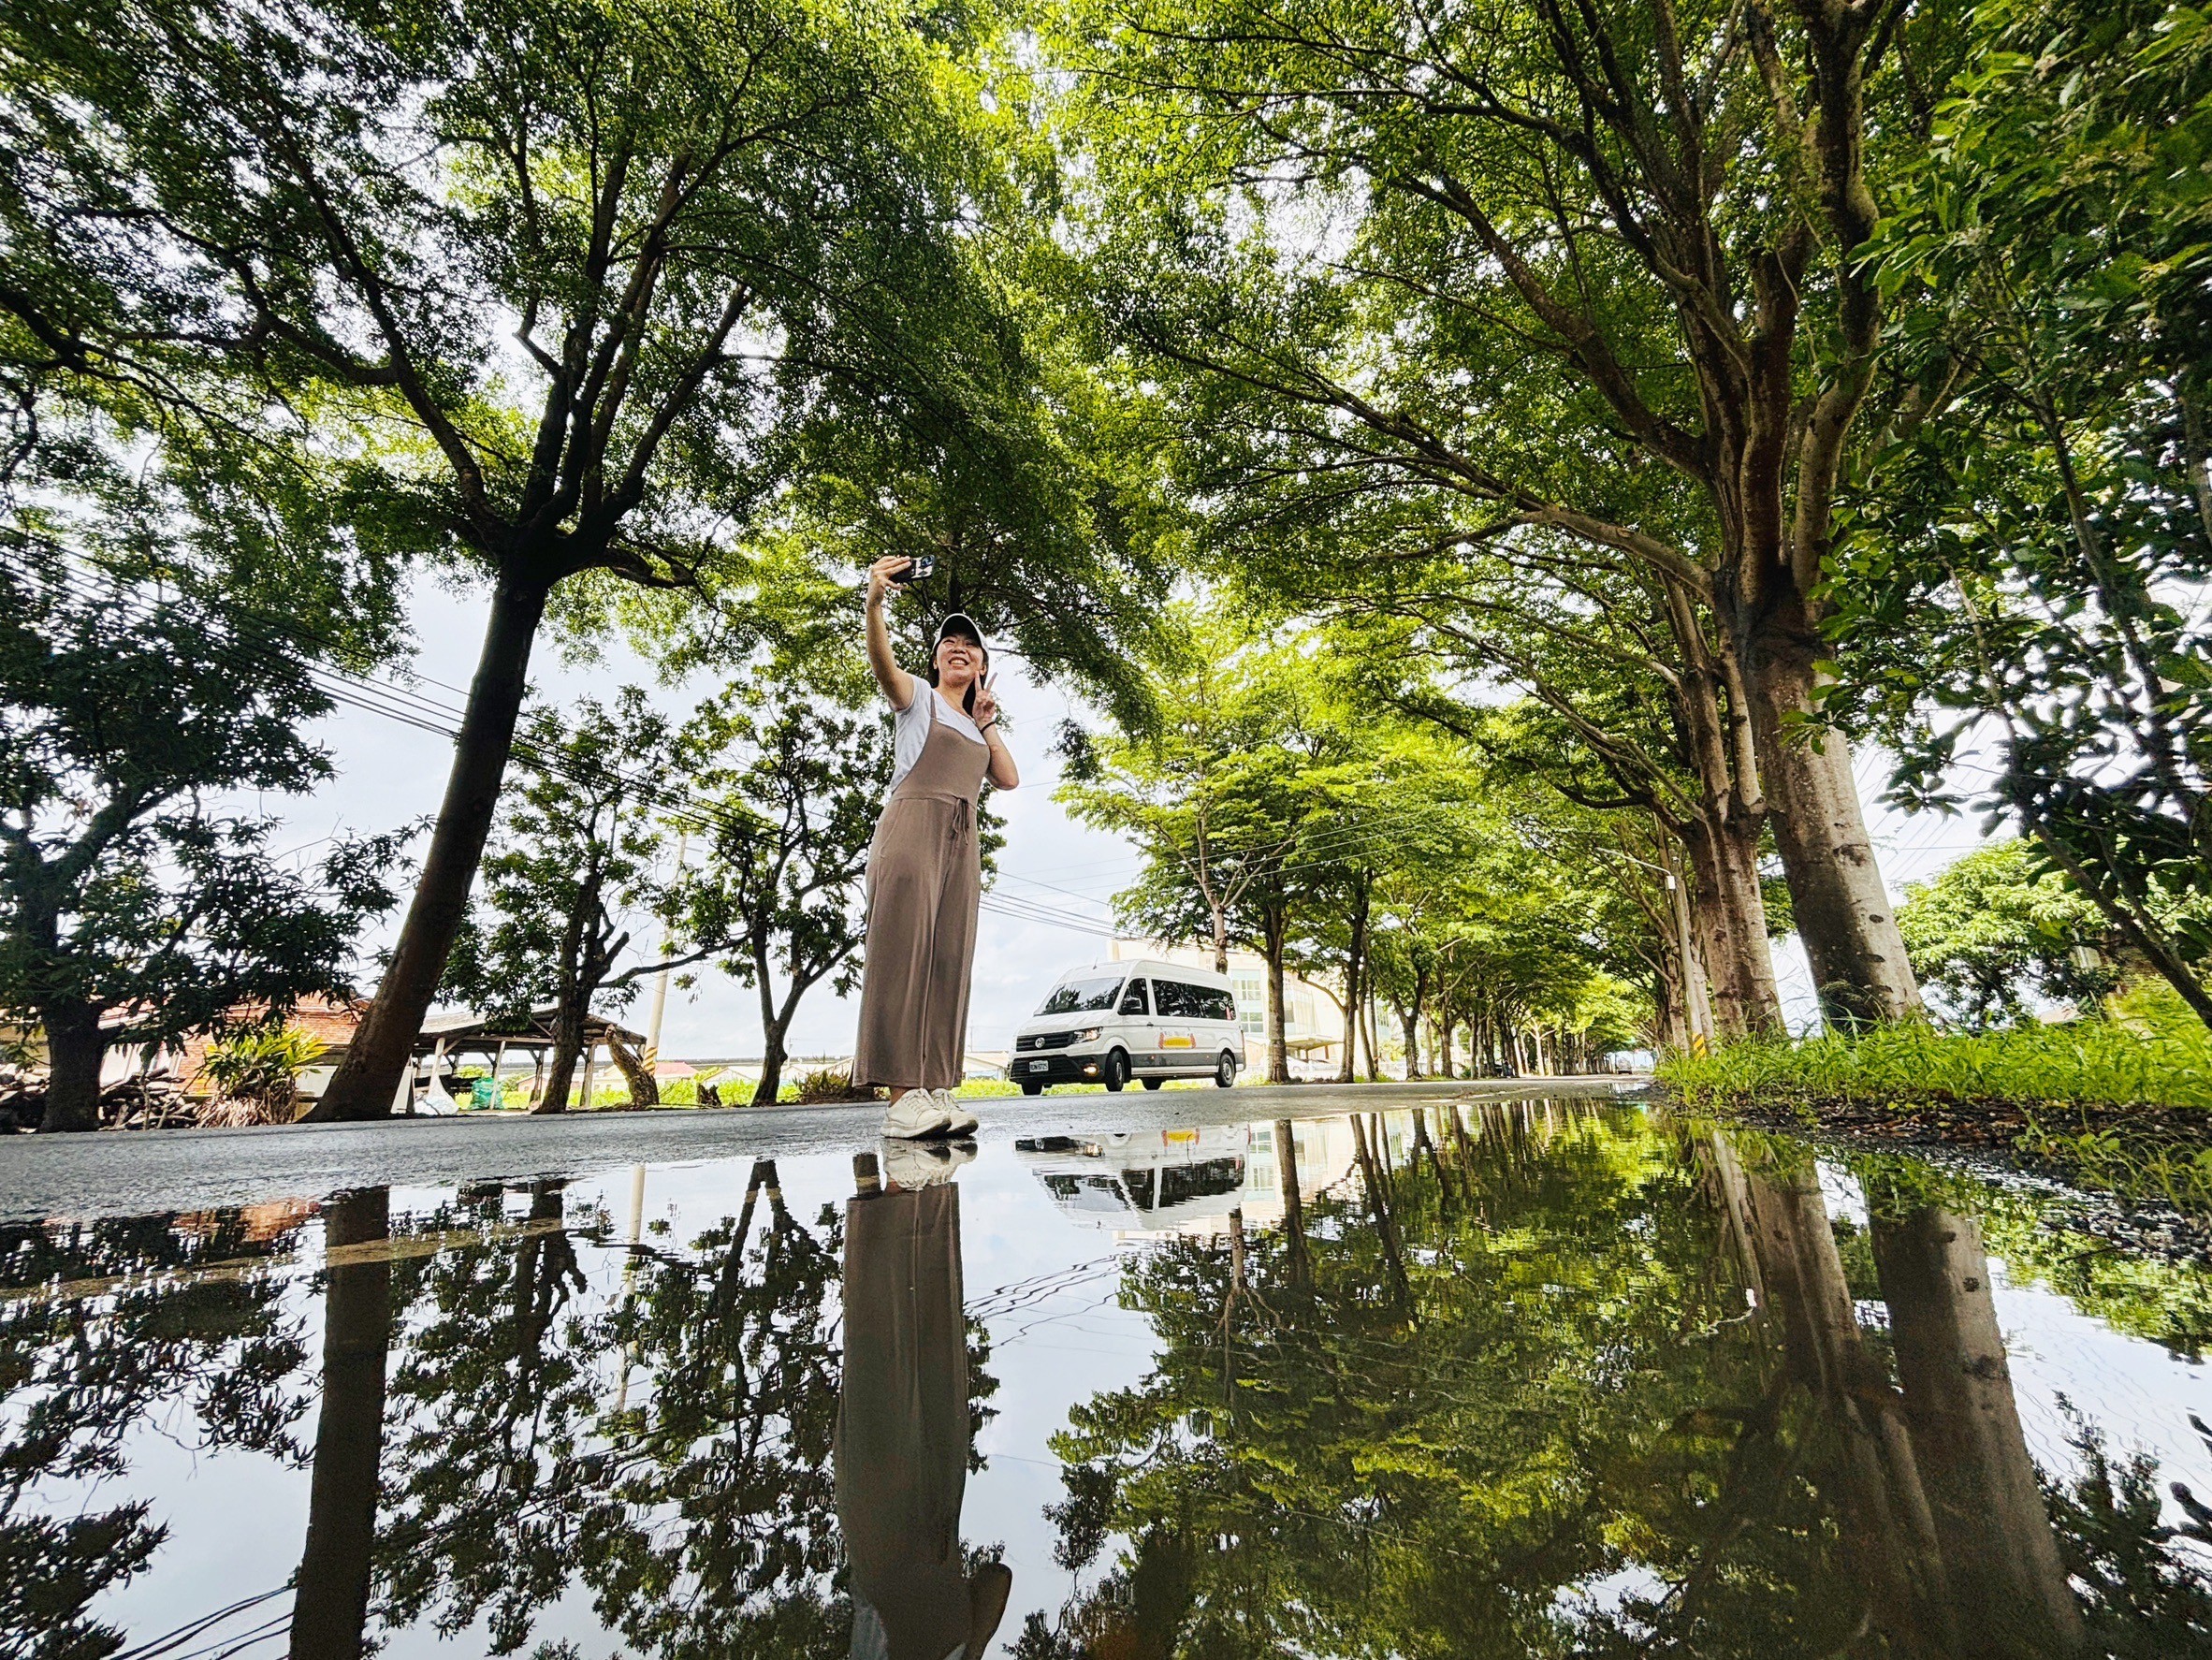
[[1497, 1380]]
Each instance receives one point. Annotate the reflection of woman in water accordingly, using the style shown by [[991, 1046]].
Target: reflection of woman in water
[[925, 871], [902, 1435]]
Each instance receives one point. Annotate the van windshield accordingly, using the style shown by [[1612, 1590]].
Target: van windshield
[[1071, 997]]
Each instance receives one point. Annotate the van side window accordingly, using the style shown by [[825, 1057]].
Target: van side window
[[1176, 1000], [1132, 1000], [1219, 1005]]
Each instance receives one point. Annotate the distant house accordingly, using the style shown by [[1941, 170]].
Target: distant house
[[449, 1043]]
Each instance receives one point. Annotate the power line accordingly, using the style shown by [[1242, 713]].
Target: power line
[[362, 692], [425, 713]]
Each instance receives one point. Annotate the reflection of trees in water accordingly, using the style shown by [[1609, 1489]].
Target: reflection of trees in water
[[84, 1371], [485, 1436], [492, 1394], [1520, 1359], [669, 1450], [691, 1492]]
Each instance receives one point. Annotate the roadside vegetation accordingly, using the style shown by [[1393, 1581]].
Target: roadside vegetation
[[2120, 1098]]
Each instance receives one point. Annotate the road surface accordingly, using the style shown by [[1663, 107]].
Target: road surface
[[118, 1173]]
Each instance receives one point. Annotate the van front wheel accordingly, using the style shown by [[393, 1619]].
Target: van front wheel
[[1225, 1070], [1118, 1070]]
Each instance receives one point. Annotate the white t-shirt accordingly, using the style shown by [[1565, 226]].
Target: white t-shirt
[[909, 727]]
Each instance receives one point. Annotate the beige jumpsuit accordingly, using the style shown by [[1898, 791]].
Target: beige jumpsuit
[[902, 1426], [925, 878]]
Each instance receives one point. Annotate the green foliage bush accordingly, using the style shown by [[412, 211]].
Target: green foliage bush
[[826, 1083], [261, 1064], [2084, 1063], [2067, 1079]]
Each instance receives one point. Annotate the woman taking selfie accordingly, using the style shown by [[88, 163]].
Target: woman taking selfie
[[925, 874]]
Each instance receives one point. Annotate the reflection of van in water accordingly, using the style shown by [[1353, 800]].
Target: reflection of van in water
[[1140, 1178], [1111, 1022]]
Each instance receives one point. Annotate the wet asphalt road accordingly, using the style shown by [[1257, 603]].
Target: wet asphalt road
[[117, 1174]]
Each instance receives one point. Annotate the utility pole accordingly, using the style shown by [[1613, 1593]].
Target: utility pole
[[652, 1045]]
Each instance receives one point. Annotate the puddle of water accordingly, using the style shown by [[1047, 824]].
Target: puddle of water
[[1540, 1378]]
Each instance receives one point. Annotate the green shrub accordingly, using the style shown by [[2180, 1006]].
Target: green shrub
[[830, 1083], [261, 1067], [2081, 1063], [2072, 1084]]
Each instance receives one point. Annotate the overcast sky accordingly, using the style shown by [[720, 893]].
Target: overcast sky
[[1047, 913]]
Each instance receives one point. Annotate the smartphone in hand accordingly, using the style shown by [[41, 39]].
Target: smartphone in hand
[[920, 569]]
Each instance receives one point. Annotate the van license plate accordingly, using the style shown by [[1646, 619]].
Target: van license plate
[[1041, 1066]]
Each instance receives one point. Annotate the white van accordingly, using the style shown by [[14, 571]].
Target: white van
[[1111, 1022]]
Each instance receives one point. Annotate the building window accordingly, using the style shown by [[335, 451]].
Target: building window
[[1251, 1003]]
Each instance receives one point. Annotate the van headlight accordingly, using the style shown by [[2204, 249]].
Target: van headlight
[[1090, 1034]]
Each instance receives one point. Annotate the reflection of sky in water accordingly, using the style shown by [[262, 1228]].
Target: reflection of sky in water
[[1045, 1278]]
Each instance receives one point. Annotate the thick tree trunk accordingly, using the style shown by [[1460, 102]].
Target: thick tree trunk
[[1999, 1554], [568, 1047], [1410, 1029], [1293, 1202], [1888, 1527], [1347, 1064], [1354, 976], [1443, 1054], [74, 1051], [772, 1055], [330, 1604], [1278, 1050], [1842, 911], [384, 1047], [1731, 922]]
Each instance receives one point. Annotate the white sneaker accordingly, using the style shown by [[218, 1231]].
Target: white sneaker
[[963, 1121], [917, 1114], [928, 1165]]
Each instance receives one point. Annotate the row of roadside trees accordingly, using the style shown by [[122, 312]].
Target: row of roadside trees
[[1281, 805]]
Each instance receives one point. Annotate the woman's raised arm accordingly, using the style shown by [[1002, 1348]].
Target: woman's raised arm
[[898, 686]]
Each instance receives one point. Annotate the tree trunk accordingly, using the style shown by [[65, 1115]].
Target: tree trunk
[[1729, 918], [1999, 1555], [1378, 1203], [1353, 974], [1670, 1026], [568, 1045], [772, 1059], [1408, 1025], [1888, 1527], [1443, 1055], [74, 1051], [1842, 911], [330, 1604], [1347, 1064], [1278, 1049], [1293, 1202], [384, 1046], [1220, 940], [645, 1090], [1367, 1026]]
